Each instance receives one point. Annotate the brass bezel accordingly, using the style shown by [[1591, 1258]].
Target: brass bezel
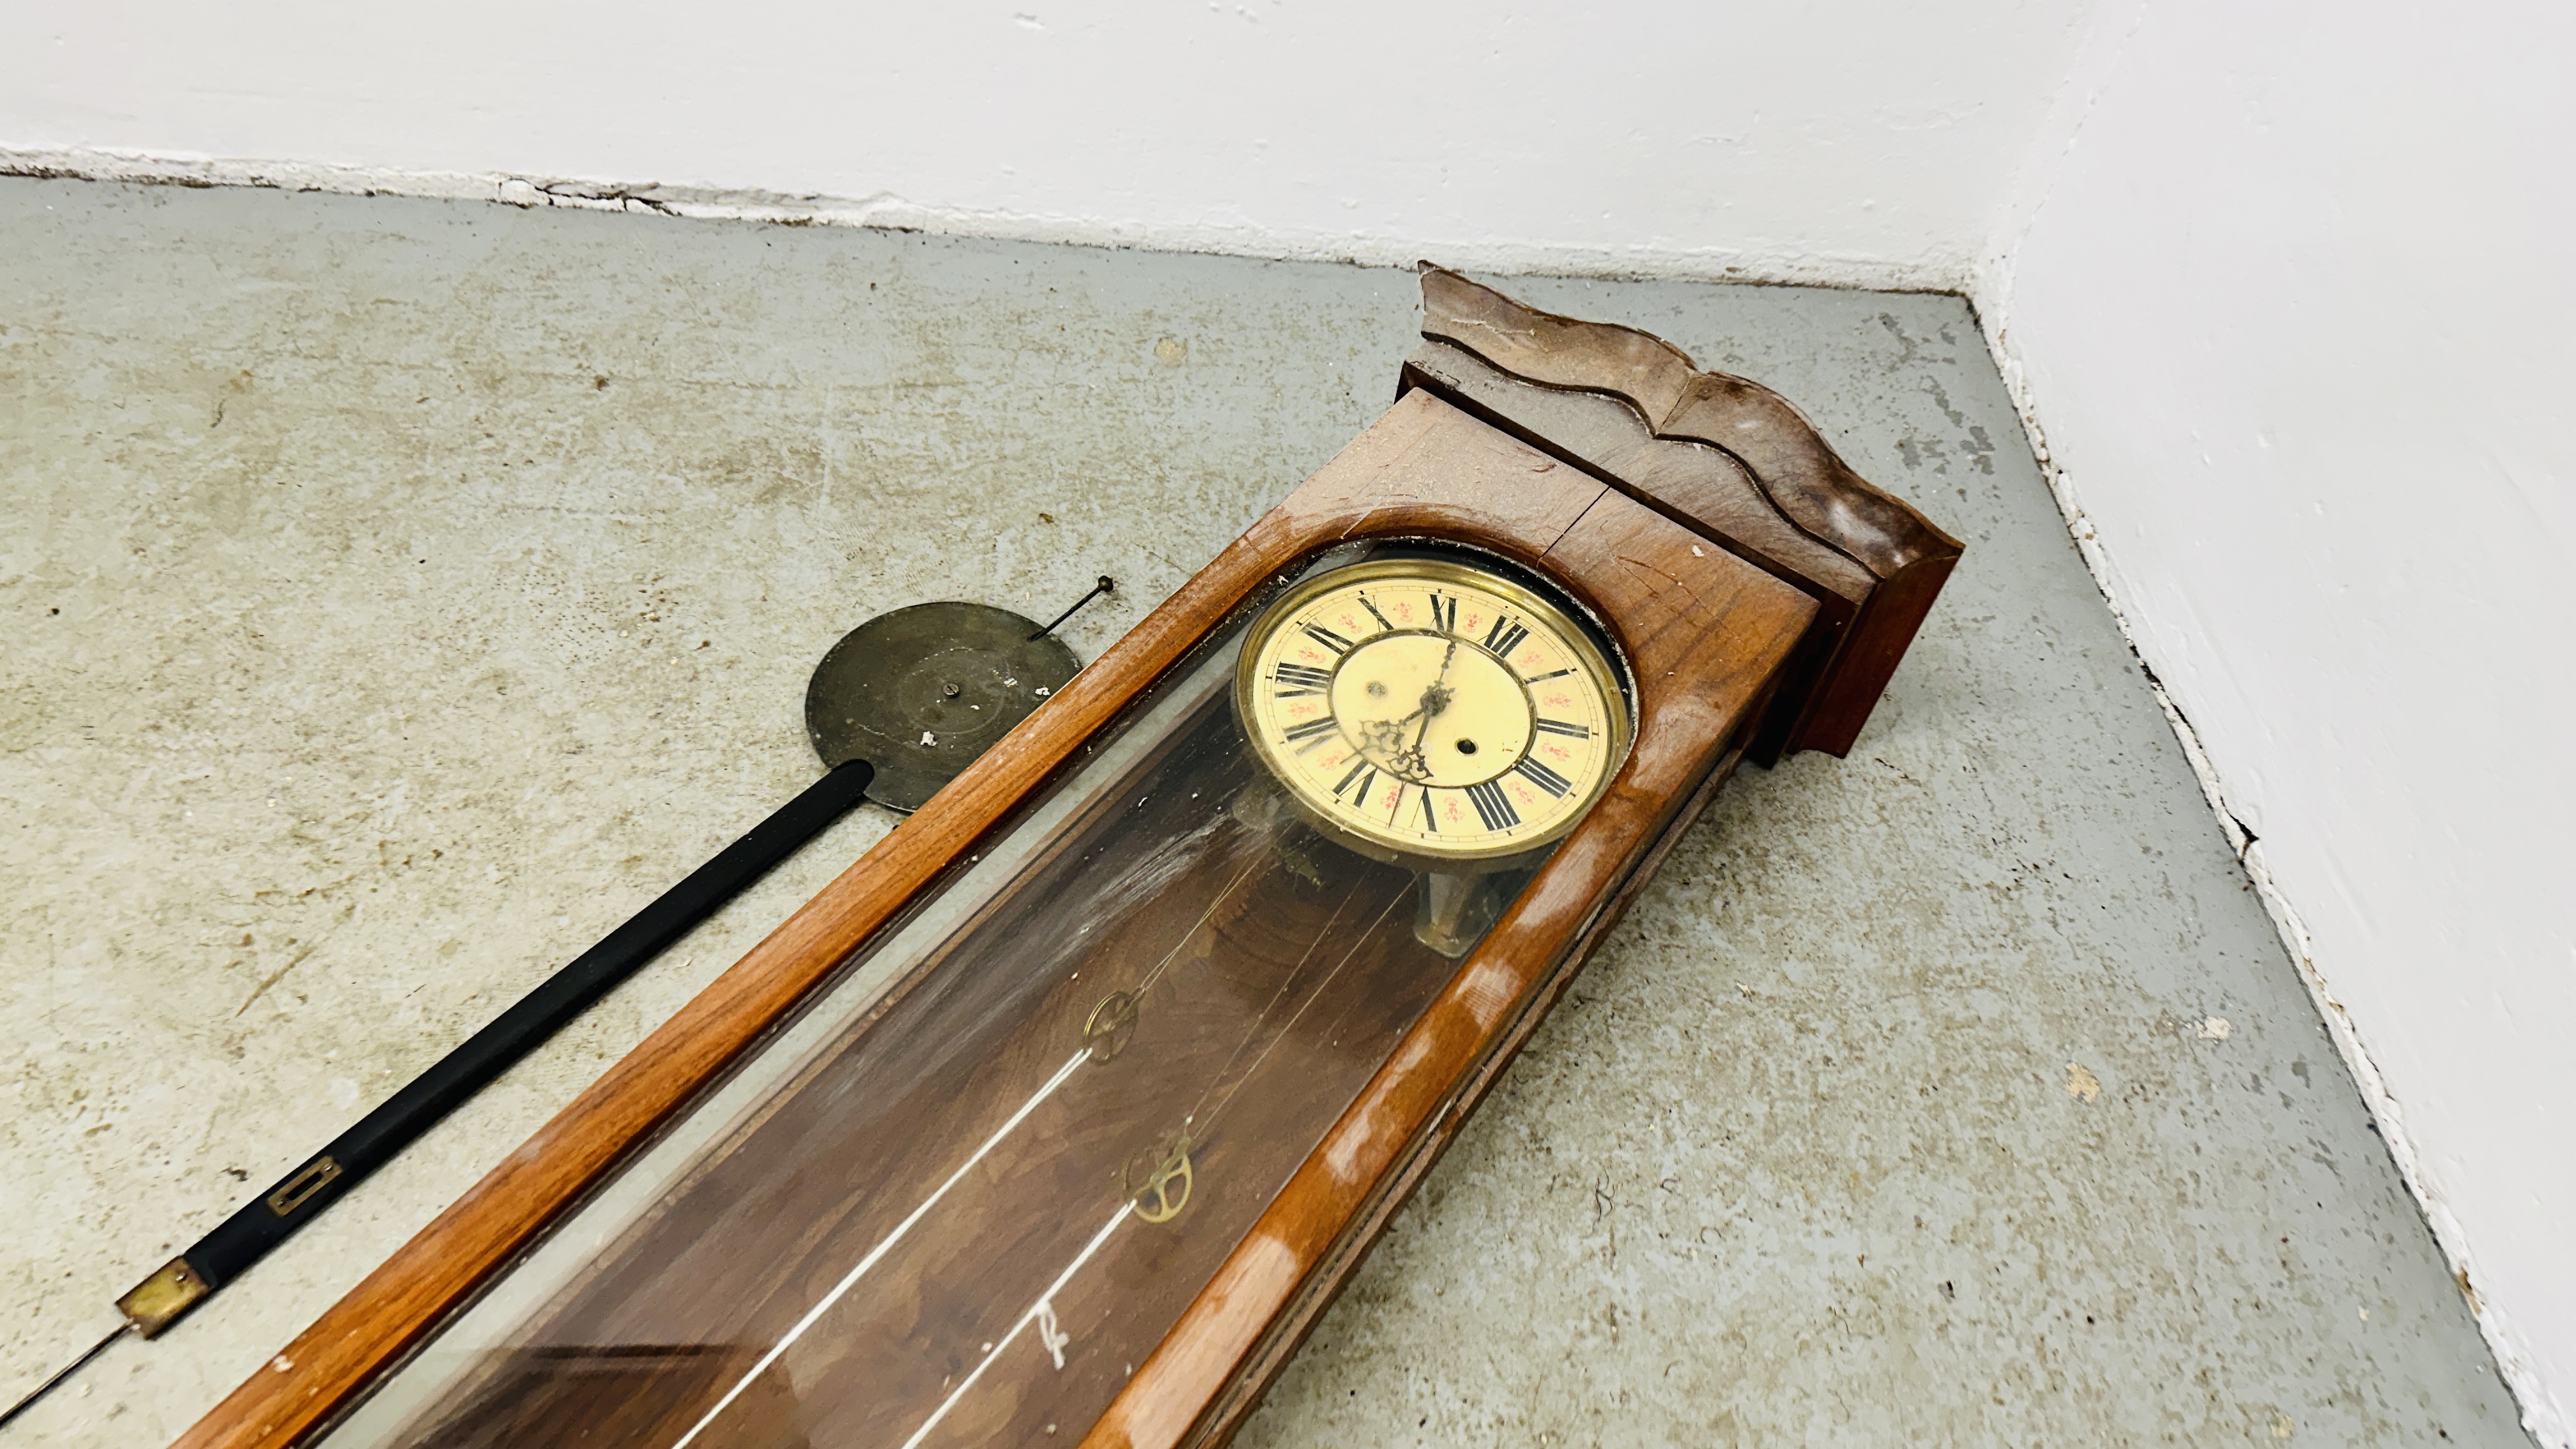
[[1569, 625]]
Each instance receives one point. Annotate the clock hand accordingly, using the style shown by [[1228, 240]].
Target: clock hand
[[1405, 761], [1435, 702], [1436, 695], [1385, 737]]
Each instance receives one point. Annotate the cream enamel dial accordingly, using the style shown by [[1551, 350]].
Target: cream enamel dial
[[1426, 709]]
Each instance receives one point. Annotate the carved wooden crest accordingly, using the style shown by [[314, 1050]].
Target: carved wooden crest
[[1730, 458]]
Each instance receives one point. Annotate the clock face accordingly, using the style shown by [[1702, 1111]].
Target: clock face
[[1426, 709]]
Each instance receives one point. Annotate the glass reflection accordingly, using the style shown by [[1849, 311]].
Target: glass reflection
[[970, 1193]]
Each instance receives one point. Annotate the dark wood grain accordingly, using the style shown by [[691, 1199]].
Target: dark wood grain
[[583, 1393], [1877, 565], [1323, 1287], [1698, 486], [1704, 488], [1424, 469], [1242, 941], [1707, 636]]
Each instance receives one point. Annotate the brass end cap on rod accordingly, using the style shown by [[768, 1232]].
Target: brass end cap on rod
[[155, 1303]]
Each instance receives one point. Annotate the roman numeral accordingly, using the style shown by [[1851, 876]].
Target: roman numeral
[[1552, 674], [1312, 733], [1505, 636], [1430, 822], [1366, 774], [1560, 727], [1540, 775], [1301, 679], [1374, 614], [1444, 614], [1327, 638], [1492, 807]]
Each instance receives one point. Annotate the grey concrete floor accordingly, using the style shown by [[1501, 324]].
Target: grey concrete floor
[[397, 594]]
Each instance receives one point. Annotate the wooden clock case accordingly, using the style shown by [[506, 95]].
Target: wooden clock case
[[1760, 592]]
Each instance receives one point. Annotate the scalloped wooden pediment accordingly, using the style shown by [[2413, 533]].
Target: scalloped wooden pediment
[[1722, 454]]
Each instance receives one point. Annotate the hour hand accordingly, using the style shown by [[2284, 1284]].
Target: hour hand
[[1435, 698], [1382, 736], [1383, 740]]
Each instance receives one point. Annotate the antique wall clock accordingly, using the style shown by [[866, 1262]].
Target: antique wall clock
[[1067, 1109]]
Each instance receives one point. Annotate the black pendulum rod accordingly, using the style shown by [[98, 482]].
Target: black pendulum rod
[[297, 1198], [1107, 585]]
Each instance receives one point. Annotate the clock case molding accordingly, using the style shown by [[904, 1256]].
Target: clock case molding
[[1761, 592], [1727, 458]]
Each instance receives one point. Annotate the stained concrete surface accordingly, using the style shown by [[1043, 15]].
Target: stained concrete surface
[[397, 594]]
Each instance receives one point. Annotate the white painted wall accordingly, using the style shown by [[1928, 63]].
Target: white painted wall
[[1854, 142], [2286, 288], [2290, 291]]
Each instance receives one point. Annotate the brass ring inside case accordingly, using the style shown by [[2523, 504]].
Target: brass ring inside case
[[1566, 621]]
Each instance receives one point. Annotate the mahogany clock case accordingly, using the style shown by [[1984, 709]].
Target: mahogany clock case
[[1163, 972], [1340, 1112]]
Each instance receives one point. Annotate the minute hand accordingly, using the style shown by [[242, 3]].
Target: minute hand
[[1435, 699]]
